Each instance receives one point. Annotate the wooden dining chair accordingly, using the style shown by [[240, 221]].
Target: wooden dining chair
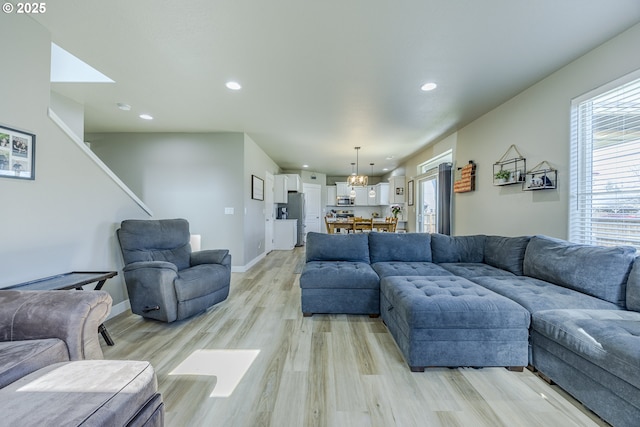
[[362, 224]]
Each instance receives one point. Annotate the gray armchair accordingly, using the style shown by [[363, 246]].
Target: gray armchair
[[165, 280]]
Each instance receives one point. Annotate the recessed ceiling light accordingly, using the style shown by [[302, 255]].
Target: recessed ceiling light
[[233, 85], [385, 169], [146, 116], [429, 86], [305, 166], [123, 106]]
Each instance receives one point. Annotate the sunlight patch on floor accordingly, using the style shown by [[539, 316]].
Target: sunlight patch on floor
[[229, 366]]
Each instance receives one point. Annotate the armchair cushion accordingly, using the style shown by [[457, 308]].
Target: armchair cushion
[[201, 280], [156, 240]]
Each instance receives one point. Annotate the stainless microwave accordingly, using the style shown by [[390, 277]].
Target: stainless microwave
[[344, 201]]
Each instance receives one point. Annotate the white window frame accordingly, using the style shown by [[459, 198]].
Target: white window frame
[[589, 223]]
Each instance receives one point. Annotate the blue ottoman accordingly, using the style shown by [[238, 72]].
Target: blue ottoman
[[450, 321]]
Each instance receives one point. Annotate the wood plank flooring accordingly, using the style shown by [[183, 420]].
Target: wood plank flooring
[[325, 370]]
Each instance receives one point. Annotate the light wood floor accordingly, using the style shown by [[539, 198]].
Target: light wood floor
[[326, 370]]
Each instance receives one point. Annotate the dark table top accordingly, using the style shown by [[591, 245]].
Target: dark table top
[[70, 280]]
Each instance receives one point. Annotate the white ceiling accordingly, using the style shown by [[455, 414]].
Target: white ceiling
[[320, 77]]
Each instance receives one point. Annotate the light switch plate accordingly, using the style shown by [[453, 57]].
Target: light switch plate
[[228, 211]]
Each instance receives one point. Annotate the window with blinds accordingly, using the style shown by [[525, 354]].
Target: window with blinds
[[605, 166]]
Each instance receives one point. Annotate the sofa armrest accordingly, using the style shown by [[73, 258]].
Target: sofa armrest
[[210, 256], [71, 316]]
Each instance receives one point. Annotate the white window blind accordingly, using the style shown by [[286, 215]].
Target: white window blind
[[605, 166]]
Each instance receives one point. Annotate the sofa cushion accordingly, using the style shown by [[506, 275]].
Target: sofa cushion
[[594, 270], [85, 392], [457, 248], [408, 247], [506, 253], [396, 268], [633, 287], [19, 358], [609, 339], [536, 295], [337, 247], [338, 274], [473, 269]]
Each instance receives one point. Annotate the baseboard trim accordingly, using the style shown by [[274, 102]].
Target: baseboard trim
[[119, 308], [247, 267]]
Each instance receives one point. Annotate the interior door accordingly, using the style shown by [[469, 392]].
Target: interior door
[[313, 207], [269, 212]]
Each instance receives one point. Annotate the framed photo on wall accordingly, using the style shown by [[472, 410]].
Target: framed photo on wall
[[17, 154], [257, 188], [410, 193]]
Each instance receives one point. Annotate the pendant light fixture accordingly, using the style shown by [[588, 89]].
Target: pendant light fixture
[[372, 191], [357, 180]]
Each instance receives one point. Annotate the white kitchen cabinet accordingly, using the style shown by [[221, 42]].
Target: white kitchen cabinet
[[382, 194], [294, 183], [332, 195], [280, 189], [342, 189], [396, 189], [362, 196], [285, 234]]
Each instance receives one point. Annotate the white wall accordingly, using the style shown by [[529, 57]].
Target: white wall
[[538, 122], [195, 176], [256, 162], [66, 218]]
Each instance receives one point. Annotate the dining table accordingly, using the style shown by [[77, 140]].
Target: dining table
[[337, 225]]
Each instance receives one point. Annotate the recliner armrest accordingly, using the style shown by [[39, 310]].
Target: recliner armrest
[[210, 256], [71, 316], [149, 264]]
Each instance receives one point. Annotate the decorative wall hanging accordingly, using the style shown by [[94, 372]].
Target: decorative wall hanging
[[510, 169], [17, 154], [541, 177], [465, 178], [257, 188]]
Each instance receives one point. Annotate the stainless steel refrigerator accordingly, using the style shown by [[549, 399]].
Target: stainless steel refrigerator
[[295, 210]]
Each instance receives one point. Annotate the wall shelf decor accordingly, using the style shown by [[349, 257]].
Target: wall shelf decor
[[510, 168], [465, 180], [541, 177]]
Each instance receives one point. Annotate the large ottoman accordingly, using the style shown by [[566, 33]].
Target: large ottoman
[[450, 321], [87, 393]]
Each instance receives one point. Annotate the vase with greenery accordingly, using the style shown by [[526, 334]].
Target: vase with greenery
[[502, 176], [395, 210]]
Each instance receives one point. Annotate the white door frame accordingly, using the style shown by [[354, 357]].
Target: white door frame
[[269, 212]]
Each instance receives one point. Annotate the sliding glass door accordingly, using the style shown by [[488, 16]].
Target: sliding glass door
[[427, 207]]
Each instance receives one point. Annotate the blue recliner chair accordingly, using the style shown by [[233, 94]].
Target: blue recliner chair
[[165, 280]]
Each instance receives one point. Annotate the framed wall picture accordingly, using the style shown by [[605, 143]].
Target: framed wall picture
[[257, 188], [410, 193], [17, 154]]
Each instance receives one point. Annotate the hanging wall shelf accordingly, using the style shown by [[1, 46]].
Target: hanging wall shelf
[[541, 177], [510, 169]]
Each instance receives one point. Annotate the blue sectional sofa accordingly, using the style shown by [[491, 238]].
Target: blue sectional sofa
[[569, 311]]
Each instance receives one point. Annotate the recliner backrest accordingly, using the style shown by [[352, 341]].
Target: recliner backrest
[[156, 240]]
